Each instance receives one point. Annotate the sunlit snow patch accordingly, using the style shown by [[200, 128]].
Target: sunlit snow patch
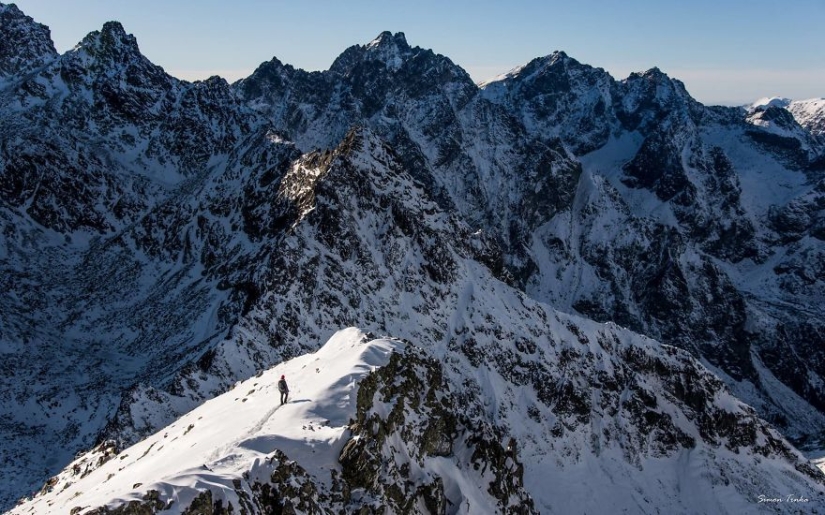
[[819, 460], [234, 434]]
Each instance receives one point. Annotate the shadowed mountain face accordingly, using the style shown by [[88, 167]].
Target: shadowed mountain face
[[625, 200], [163, 239], [26, 45]]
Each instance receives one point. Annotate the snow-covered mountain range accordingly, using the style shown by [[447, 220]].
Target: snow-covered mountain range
[[589, 276]]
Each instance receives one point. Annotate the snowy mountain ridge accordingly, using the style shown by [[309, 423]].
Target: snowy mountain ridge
[[230, 438], [243, 450], [163, 240], [731, 198], [810, 114]]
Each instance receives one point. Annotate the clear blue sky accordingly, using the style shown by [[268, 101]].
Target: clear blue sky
[[725, 51]]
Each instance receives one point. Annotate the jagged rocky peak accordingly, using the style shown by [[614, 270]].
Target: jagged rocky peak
[[388, 49], [558, 60], [649, 98], [387, 39], [24, 43], [111, 43], [318, 108], [546, 72], [555, 75], [559, 98], [655, 85], [271, 80], [391, 49], [109, 63], [214, 82], [393, 53], [211, 93], [559, 56], [655, 81], [274, 72]]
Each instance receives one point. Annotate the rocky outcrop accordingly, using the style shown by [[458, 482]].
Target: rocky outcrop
[[25, 44], [407, 415]]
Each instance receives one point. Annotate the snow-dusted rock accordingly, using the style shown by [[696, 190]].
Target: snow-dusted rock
[[162, 240], [245, 451], [26, 45], [622, 200], [376, 424]]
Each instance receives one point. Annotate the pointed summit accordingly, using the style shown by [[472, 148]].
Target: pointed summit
[[388, 39], [391, 49], [653, 73], [556, 63], [24, 43], [388, 48], [559, 55], [111, 42], [657, 87], [115, 31], [115, 53]]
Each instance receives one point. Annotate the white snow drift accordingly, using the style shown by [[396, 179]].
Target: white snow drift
[[233, 434]]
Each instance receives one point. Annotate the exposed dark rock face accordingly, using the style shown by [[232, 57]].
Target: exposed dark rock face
[[25, 45], [409, 400], [657, 166]]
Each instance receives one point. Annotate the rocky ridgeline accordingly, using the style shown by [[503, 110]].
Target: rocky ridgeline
[[162, 239], [420, 441], [669, 228], [407, 415], [408, 425]]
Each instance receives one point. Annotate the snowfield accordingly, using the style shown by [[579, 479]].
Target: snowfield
[[233, 434]]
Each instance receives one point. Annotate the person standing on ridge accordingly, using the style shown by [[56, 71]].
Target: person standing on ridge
[[284, 389]]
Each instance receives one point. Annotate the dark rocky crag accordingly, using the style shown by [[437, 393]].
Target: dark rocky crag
[[26, 45]]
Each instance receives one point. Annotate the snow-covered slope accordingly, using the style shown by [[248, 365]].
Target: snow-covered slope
[[243, 450], [413, 437], [232, 437], [810, 114], [163, 240]]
